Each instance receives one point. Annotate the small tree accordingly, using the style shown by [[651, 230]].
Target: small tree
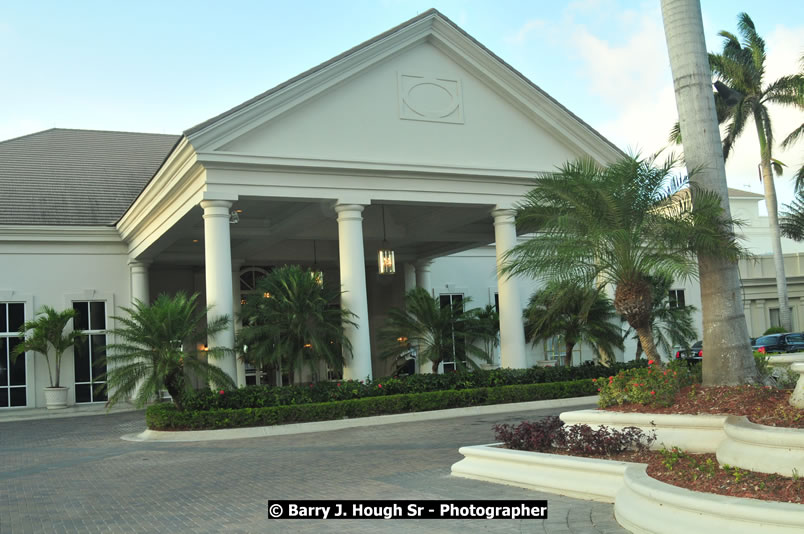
[[619, 225], [441, 333], [159, 345], [671, 325], [293, 321], [574, 313], [44, 332]]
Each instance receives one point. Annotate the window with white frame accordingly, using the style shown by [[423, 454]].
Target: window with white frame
[[458, 343], [677, 298], [90, 351], [775, 317], [556, 349], [13, 389]]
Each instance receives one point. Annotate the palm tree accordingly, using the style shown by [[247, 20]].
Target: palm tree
[[618, 225], [741, 88], [574, 313], [46, 330], [292, 321], [159, 346], [729, 357], [671, 325], [792, 220], [440, 333]]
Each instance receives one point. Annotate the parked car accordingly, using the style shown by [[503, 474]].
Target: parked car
[[695, 352], [789, 342]]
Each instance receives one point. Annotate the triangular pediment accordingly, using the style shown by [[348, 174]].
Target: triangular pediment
[[422, 94]]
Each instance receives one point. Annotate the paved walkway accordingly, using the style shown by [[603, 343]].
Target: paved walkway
[[77, 475]]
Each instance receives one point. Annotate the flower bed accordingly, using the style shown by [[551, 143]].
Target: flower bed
[[167, 417], [761, 404]]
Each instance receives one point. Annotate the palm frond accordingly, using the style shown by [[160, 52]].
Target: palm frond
[[791, 220]]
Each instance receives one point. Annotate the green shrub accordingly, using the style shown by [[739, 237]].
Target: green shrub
[[650, 386], [774, 330], [167, 417], [265, 396]]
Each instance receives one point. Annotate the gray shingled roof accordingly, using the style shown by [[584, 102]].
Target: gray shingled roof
[[76, 177]]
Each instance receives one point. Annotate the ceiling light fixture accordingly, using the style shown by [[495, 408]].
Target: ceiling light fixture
[[385, 256]]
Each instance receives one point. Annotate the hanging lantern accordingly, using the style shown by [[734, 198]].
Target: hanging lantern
[[385, 256], [315, 274]]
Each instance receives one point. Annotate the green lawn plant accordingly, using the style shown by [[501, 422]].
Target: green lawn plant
[[439, 333], [575, 314], [619, 225], [651, 386], [45, 335], [160, 346], [293, 321]]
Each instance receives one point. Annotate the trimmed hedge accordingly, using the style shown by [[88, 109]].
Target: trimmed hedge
[[166, 417], [265, 396]]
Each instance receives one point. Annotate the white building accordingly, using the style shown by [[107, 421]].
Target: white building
[[422, 123], [421, 126]]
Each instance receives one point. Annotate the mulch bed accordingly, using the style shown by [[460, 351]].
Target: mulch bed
[[763, 405], [701, 472]]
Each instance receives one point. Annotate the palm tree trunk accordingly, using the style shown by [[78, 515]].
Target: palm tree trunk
[[729, 358], [568, 355], [638, 350], [646, 340], [435, 366], [776, 237]]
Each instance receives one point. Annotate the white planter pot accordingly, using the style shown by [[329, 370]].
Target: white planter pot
[[56, 398], [646, 505]]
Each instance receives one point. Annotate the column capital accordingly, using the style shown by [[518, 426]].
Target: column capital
[[503, 215], [341, 207], [208, 204], [423, 265], [139, 264], [237, 264]]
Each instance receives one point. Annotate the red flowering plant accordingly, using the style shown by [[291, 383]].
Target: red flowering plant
[[651, 386]]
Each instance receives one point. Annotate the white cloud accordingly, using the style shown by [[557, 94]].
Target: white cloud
[[521, 36]]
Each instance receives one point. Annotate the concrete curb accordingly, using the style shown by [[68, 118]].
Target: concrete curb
[[340, 424], [31, 414]]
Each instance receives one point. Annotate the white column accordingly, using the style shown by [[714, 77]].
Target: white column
[[218, 272], [236, 296], [410, 277], [353, 285], [512, 333], [140, 290], [423, 275]]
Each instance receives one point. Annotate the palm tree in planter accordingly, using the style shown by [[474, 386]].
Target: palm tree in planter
[[294, 321], [45, 335], [440, 333], [159, 346], [618, 225], [574, 313]]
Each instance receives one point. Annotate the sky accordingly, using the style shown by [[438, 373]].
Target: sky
[[164, 66]]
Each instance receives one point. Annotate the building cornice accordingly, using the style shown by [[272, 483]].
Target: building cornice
[[59, 234]]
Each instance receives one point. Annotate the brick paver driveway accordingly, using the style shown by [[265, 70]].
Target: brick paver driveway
[[77, 475]]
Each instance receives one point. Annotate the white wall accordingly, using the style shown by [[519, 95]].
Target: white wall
[[54, 275]]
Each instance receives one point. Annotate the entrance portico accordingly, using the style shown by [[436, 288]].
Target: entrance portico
[[421, 123]]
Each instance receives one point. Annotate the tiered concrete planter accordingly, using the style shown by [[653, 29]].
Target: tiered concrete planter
[[785, 360], [646, 505], [641, 503], [766, 449], [692, 433], [583, 478]]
